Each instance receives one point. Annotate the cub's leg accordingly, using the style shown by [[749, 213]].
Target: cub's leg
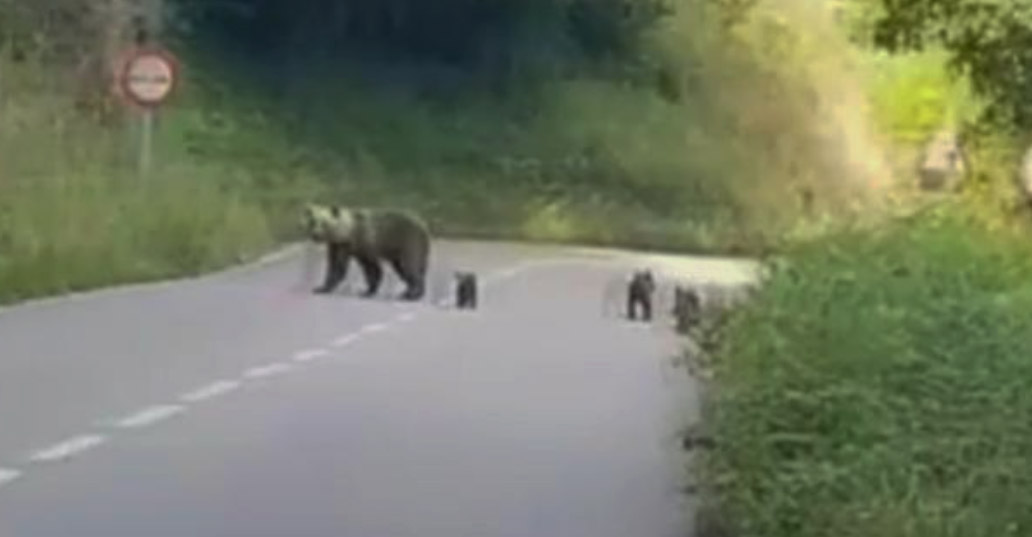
[[373, 273], [471, 291], [337, 258], [687, 306], [633, 300], [465, 290]]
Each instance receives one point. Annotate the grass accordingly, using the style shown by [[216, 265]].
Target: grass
[[94, 234], [229, 174], [74, 215], [578, 161], [581, 159], [881, 386]]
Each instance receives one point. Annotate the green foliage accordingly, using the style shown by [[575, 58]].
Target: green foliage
[[879, 385], [914, 96], [74, 215], [607, 160], [613, 122], [504, 40], [987, 41], [818, 137], [93, 233]]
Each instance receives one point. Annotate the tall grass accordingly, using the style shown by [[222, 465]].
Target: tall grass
[[74, 214], [881, 386], [579, 160], [712, 159], [716, 163]]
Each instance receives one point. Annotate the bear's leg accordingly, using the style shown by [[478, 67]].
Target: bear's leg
[[632, 300], [415, 290], [373, 273], [413, 282], [419, 261], [399, 269], [337, 259]]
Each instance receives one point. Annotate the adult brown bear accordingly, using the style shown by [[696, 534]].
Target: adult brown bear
[[370, 236]]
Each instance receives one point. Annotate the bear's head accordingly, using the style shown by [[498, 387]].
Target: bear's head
[[464, 277], [644, 280], [323, 223]]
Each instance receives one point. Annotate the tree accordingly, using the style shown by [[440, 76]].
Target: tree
[[453, 32], [990, 41], [83, 38]]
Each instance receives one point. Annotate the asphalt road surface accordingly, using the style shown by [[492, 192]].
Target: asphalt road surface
[[239, 404]]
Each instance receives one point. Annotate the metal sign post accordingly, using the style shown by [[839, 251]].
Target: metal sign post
[[148, 79], [146, 141]]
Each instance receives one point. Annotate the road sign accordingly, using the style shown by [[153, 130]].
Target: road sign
[[149, 77]]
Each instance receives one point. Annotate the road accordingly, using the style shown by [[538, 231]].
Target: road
[[239, 404]]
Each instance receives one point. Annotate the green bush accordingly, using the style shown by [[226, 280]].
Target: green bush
[[881, 385]]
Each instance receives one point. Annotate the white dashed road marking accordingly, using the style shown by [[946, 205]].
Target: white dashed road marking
[[374, 328], [511, 272], [344, 341], [267, 371], [210, 391], [496, 277], [149, 416], [308, 356], [8, 475], [68, 448]]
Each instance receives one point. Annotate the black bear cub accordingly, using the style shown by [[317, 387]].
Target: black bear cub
[[639, 295], [687, 308], [466, 290]]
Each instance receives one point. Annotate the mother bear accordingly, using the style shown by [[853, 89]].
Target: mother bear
[[370, 236]]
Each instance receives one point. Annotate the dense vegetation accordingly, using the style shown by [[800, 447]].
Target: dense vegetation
[[615, 121], [876, 386], [633, 122], [987, 42], [73, 213], [881, 387]]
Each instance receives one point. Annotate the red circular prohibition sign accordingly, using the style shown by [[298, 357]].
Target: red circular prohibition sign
[[148, 77]]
